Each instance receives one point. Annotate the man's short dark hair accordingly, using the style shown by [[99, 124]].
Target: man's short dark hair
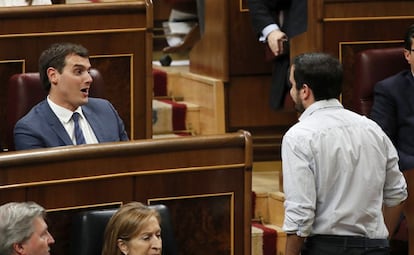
[[55, 57], [409, 35], [321, 72]]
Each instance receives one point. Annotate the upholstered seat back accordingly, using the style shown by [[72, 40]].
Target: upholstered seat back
[[372, 66], [25, 91], [88, 230]]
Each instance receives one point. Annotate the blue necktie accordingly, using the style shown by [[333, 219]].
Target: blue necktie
[[80, 139]]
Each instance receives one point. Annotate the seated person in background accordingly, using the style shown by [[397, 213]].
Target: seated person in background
[[9, 3], [393, 110], [133, 230], [67, 116], [23, 229]]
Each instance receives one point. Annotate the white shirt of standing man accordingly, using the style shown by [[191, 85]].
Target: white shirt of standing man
[[10, 3]]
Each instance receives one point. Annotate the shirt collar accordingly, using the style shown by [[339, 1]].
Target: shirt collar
[[319, 105], [62, 113]]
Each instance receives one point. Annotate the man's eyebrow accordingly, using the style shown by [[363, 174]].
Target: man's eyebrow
[[81, 66]]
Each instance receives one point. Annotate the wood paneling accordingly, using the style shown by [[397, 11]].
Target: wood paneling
[[345, 27], [229, 50], [230, 36], [119, 39], [350, 27], [210, 55], [215, 219], [206, 180]]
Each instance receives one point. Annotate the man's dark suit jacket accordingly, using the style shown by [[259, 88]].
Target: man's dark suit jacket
[[41, 128], [393, 110], [262, 14]]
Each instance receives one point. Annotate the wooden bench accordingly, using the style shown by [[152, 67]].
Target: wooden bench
[[205, 181]]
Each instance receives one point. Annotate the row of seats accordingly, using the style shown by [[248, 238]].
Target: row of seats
[[371, 66]]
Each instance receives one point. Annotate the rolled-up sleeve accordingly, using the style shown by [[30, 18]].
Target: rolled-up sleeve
[[395, 187], [299, 188]]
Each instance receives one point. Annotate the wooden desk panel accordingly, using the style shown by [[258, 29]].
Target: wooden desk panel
[[205, 180], [229, 50], [229, 46], [117, 35]]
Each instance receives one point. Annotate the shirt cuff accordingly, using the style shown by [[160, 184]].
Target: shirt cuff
[[267, 30]]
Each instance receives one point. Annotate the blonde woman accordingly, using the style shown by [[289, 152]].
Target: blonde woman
[[133, 230]]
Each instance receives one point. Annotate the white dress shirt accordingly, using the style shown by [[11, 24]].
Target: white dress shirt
[[339, 168], [266, 31], [65, 117], [10, 3]]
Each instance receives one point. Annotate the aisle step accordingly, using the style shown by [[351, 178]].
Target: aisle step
[[260, 242], [171, 117], [268, 210]]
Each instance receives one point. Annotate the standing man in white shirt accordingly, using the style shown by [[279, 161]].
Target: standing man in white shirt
[[343, 188]]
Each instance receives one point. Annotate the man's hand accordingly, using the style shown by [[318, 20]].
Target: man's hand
[[294, 244], [275, 41]]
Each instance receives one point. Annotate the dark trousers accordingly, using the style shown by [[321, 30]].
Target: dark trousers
[[345, 245]]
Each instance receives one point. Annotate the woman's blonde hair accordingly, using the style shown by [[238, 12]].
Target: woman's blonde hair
[[125, 224]]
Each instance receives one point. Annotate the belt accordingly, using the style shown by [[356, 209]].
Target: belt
[[348, 241]]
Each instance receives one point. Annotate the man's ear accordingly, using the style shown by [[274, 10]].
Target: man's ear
[[18, 248], [52, 75], [407, 55], [306, 94], [123, 247], [306, 90]]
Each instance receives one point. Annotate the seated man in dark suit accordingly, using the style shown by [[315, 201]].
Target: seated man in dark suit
[[67, 116], [393, 110]]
